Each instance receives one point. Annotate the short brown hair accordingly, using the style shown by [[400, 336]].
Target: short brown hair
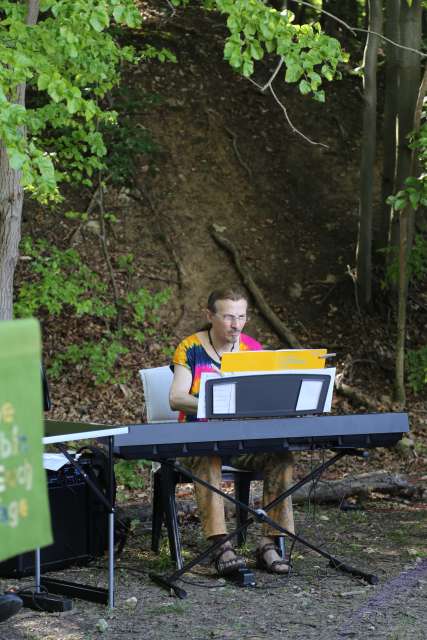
[[228, 293]]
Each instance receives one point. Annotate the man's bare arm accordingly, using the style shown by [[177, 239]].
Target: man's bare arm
[[180, 398]]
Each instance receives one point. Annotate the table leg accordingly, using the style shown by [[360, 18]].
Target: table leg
[[111, 526], [37, 569]]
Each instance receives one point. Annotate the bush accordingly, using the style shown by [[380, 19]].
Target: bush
[[417, 369], [60, 282]]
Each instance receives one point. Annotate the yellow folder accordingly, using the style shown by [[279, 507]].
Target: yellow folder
[[274, 360]]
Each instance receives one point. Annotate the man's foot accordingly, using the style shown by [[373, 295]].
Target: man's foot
[[226, 561], [9, 605], [268, 558]]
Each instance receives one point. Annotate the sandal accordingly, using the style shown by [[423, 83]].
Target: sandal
[[227, 567], [279, 567]]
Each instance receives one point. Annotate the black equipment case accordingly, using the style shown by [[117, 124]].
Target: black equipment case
[[79, 525]]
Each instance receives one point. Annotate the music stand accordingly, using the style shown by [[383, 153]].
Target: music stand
[[267, 395]]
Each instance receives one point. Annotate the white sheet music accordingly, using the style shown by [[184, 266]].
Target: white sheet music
[[201, 406], [309, 395], [224, 398]]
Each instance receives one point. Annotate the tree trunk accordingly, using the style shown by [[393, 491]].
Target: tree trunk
[[11, 201], [392, 31], [406, 231], [409, 82], [364, 241]]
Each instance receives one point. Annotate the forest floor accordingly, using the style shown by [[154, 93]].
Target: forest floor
[[314, 602], [224, 154]]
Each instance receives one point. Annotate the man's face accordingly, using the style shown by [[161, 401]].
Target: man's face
[[228, 320]]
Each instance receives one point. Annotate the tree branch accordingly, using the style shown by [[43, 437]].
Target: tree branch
[[103, 239], [292, 126], [361, 30], [330, 15]]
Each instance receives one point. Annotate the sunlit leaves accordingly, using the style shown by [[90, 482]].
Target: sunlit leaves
[[255, 28], [71, 58], [414, 192]]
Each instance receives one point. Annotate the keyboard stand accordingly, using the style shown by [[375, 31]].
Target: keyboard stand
[[259, 515]]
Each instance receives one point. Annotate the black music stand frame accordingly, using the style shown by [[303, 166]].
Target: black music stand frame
[[258, 515]]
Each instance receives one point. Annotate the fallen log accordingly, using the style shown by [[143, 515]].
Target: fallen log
[[324, 492], [356, 395], [360, 486]]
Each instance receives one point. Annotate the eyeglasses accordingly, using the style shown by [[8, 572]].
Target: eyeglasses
[[228, 318]]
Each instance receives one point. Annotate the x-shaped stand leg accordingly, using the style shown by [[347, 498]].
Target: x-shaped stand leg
[[260, 515]]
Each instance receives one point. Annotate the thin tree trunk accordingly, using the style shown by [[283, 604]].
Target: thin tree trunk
[[406, 230], [409, 82], [392, 31], [11, 201], [364, 242]]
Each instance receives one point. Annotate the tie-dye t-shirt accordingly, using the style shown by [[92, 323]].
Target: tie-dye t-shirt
[[191, 354]]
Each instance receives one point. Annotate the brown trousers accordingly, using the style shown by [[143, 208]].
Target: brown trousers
[[277, 469]]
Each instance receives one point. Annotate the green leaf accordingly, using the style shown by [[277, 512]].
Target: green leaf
[[293, 72], [16, 159], [319, 96], [248, 68], [43, 82], [118, 13], [256, 51], [99, 19], [414, 198], [267, 33], [73, 104], [304, 87], [327, 72]]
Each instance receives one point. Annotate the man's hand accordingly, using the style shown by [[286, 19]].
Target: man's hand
[[180, 398]]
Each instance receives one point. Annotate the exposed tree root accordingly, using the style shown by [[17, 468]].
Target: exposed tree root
[[283, 331]]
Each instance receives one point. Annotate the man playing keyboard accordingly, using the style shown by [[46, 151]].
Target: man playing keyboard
[[201, 352]]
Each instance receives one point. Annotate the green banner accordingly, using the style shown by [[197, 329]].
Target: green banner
[[24, 507]]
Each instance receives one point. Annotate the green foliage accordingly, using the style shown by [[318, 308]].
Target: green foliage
[[418, 259], [69, 61], [131, 473], [126, 140], [125, 137], [99, 357], [414, 193], [417, 369], [162, 55], [256, 29], [417, 262], [60, 282], [145, 305]]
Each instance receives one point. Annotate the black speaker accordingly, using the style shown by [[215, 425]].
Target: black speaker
[[75, 526]]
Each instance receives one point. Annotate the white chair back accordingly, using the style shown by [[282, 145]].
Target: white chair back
[[156, 383]]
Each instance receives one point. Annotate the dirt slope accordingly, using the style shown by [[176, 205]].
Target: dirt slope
[[227, 156]]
